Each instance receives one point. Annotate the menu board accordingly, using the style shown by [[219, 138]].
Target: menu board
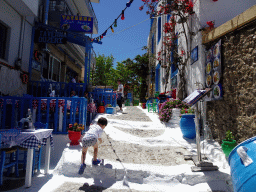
[[213, 73]]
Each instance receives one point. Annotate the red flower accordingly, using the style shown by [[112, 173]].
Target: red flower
[[141, 8], [211, 24]]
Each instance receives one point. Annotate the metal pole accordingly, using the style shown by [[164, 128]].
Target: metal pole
[[197, 135], [31, 53], [86, 65], [89, 56]]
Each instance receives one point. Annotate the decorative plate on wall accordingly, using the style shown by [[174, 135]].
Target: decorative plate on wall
[[208, 68], [208, 80], [216, 63], [216, 50], [216, 77], [209, 55], [216, 91]]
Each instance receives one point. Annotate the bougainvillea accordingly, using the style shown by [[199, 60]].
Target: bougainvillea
[[180, 10]]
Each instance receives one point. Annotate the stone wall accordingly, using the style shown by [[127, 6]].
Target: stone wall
[[237, 110]]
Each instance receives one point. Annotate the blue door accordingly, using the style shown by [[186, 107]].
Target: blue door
[[157, 78]]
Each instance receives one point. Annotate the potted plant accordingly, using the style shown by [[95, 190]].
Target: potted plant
[[228, 144], [101, 108], [165, 111], [109, 109], [187, 123], [74, 133]]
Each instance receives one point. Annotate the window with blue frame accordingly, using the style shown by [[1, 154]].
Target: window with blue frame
[[157, 78], [159, 29], [174, 68], [152, 43], [151, 21], [168, 17]]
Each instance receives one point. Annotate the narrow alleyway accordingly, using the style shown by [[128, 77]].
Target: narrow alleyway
[[151, 161], [140, 154]]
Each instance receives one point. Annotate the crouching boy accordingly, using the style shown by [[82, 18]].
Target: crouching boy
[[90, 139]]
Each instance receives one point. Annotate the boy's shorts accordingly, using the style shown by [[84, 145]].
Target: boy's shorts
[[87, 142]]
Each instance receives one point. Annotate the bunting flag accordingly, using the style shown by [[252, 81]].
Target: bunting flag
[[100, 37]]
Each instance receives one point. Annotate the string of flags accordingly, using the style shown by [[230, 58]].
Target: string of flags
[[99, 38]]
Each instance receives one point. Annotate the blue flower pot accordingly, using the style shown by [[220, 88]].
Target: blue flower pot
[[187, 126]]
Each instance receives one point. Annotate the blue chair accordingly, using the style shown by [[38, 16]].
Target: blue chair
[[5, 152]]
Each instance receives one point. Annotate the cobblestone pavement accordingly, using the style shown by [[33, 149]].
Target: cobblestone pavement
[[131, 113]]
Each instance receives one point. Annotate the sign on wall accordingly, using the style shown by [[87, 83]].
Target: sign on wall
[[194, 55], [213, 73], [76, 23], [43, 35]]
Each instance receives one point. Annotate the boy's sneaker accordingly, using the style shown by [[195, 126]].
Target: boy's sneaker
[[81, 169], [96, 162]]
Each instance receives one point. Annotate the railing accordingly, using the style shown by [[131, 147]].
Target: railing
[[44, 109], [107, 96], [62, 89]]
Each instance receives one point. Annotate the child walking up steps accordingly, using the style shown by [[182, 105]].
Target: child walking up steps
[[91, 138]]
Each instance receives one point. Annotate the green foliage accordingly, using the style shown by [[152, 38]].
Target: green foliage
[[132, 73], [229, 136], [104, 70]]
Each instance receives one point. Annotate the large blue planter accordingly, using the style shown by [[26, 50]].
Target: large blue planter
[[243, 177], [187, 126]]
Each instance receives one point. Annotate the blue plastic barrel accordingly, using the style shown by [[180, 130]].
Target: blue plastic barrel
[[187, 126], [243, 178]]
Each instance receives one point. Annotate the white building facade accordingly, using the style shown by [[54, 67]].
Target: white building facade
[[205, 10], [16, 22], [17, 19]]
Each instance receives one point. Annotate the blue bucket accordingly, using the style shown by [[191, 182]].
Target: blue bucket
[[243, 178], [187, 126], [109, 110]]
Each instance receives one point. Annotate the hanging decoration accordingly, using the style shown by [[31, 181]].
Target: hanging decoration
[[24, 78], [122, 17], [112, 29], [99, 38], [115, 23]]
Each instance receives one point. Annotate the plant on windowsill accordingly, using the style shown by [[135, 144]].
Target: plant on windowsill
[[229, 143]]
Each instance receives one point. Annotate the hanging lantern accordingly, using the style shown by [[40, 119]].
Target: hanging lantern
[[101, 36], [115, 23], [112, 29], [122, 17], [128, 4]]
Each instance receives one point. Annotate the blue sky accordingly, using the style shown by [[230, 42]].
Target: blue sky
[[126, 44]]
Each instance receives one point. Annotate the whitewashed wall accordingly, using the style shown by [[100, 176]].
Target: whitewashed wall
[[10, 82], [222, 10]]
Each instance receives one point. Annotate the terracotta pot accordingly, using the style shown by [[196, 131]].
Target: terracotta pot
[[74, 136], [101, 109]]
